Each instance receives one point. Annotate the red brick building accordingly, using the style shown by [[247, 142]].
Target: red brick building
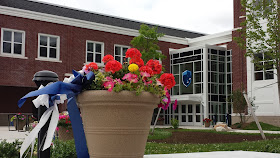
[[38, 36]]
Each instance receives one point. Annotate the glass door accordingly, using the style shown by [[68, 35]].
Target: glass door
[[198, 113], [183, 114], [190, 115]]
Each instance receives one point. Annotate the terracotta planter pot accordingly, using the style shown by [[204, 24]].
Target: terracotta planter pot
[[20, 126], [207, 124], [63, 135], [161, 122], [116, 124]]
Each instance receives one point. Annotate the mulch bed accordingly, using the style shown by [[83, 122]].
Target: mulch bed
[[187, 137]]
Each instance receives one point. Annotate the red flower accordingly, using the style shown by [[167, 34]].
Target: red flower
[[155, 66], [146, 69], [167, 80], [113, 66], [107, 58], [91, 66], [133, 53], [138, 61]]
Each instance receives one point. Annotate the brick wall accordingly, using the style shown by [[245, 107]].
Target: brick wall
[[19, 72], [239, 71]]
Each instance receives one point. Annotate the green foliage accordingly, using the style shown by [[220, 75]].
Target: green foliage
[[63, 149], [265, 126], [160, 134], [272, 146], [9, 150], [239, 104], [260, 34], [146, 43], [174, 123]]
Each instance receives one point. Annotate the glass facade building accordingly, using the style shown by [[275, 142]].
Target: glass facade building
[[211, 85]]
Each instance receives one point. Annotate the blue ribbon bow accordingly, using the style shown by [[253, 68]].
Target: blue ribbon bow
[[71, 90]]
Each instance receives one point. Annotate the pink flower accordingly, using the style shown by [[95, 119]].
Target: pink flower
[[57, 129], [109, 79], [145, 74], [175, 105], [118, 81], [86, 69], [130, 77], [67, 131], [159, 83], [109, 85], [147, 83]]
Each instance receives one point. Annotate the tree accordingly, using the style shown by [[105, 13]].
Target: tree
[[147, 41], [239, 104], [260, 35]]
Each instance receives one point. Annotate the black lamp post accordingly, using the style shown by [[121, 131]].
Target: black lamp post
[[43, 78]]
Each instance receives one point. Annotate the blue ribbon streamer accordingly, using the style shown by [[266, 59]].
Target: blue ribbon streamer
[[71, 90]]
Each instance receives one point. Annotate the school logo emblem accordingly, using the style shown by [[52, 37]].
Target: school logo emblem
[[187, 77]]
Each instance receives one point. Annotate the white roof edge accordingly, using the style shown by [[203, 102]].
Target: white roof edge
[[212, 36], [78, 9], [81, 23], [173, 51]]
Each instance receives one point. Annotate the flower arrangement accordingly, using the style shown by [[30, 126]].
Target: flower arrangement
[[64, 121], [161, 118], [21, 117], [132, 76], [207, 120], [18, 116]]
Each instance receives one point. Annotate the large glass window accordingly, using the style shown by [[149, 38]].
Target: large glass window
[[95, 52], [263, 70], [120, 53], [188, 60], [12, 42], [48, 47]]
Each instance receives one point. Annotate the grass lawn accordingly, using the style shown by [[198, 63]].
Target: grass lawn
[[272, 145], [265, 126]]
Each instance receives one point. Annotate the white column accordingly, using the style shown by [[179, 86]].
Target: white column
[[205, 81]]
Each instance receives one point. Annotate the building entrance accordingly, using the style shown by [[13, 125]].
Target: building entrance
[[191, 114]]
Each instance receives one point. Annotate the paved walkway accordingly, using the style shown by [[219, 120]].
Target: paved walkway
[[217, 154], [11, 136]]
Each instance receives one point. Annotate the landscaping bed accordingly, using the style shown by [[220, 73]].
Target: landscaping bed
[[197, 137]]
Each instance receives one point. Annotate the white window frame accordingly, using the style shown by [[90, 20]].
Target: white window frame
[[121, 54], [102, 52], [263, 71], [160, 61], [57, 59], [12, 55]]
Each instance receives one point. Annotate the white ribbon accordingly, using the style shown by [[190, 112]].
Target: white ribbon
[[44, 101]]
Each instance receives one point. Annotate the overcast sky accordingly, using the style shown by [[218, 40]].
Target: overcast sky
[[205, 16]]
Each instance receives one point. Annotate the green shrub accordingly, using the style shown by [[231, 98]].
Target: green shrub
[[63, 149], [9, 150], [160, 134], [175, 123]]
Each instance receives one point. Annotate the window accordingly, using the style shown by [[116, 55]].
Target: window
[[95, 52], [48, 47], [120, 53], [12, 43], [264, 69], [160, 61]]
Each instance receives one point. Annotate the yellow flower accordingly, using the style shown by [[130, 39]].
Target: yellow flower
[[133, 67]]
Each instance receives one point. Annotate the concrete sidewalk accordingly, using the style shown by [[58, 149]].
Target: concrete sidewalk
[[217, 154], [11, 136]]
